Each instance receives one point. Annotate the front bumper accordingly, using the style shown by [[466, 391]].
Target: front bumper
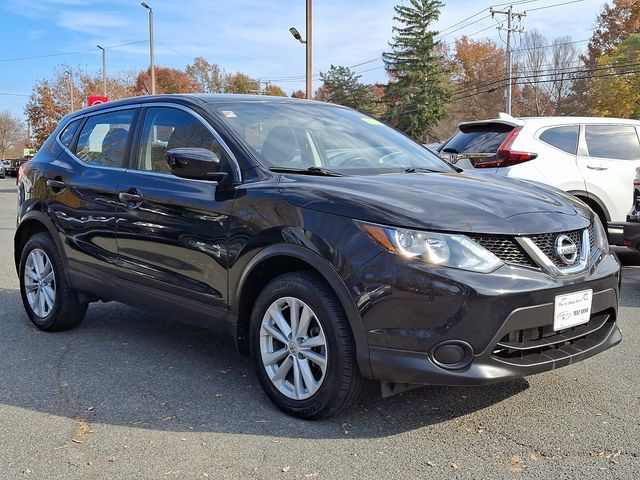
[[504, 319]]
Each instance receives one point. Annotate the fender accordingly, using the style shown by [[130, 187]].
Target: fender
[[593, 197], [39, 217], [330, 275]]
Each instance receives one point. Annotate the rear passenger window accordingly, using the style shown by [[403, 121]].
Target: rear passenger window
[[103, 139], [67, 134], [563, 138], [619, 142]]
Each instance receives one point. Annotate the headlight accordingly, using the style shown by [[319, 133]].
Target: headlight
[[600, 238], [456, 251]]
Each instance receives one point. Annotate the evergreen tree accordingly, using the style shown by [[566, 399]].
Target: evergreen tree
[[342, 86], [417, 93]]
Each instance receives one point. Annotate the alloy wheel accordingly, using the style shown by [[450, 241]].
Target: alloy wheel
[[293, 348], [40, 283]]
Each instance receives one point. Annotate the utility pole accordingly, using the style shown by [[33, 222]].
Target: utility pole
[[70, 73], [510, 14], [104, 70]]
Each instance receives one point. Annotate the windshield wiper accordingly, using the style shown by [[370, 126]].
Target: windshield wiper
[[420, 169], [320, 171]]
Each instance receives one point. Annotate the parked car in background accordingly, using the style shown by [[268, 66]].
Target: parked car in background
[[632, 227], [594, 159], [329, 245], [11, 167], [2, 169]]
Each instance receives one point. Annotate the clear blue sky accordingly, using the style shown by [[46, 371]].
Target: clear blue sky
[[240, 35]]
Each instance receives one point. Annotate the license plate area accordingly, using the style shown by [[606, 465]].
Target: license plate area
[[572, 309]]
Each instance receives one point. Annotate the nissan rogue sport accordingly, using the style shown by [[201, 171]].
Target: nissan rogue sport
[[327, 244]]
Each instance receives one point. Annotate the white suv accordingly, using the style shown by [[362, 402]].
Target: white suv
[[594, 159]]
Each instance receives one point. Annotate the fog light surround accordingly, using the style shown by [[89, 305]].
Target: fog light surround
[[452, 354]]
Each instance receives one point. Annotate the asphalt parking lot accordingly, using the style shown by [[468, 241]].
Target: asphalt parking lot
[[133, 395]]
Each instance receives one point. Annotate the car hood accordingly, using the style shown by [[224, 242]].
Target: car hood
[[451, 202]]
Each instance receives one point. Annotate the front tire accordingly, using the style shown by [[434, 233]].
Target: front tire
[[302, 347], [50, 302]]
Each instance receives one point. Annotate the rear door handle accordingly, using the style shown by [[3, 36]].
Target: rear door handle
[[56, 184], [129, 197], [596, 167]]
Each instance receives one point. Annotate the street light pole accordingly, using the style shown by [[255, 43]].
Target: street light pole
[[308, 43], [151, 62], [104, 70], [309, 51]]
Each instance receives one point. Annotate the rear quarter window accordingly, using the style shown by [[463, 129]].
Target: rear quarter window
[[478, 139], [563, 138], [66, 137]]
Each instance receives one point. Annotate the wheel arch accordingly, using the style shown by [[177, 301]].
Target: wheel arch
[[31, 223], [594, 203], [280, 259]]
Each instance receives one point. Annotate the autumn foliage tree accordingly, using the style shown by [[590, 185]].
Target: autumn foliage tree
[[210, 77], [614, 24], [168, 80], [477, 70], [274, 91], [615, 90]]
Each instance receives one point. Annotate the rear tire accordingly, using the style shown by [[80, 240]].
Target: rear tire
[[50, 302], [305, 362]]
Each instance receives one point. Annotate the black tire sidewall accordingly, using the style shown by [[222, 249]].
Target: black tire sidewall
[[45, 243], [325, 307]]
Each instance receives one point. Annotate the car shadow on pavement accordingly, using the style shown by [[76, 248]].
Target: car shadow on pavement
[[133, 368]]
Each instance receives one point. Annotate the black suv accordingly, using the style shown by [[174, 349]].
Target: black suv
[[327, 244]]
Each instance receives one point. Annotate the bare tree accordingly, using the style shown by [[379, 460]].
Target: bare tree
[[565, 57], [12, 135], [532, 61], [545, 70]]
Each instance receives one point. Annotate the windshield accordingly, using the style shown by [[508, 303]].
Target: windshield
[[289, 136]]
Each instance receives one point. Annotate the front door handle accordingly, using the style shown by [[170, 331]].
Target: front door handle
[[596, 167], [129, 197], [56, 185]]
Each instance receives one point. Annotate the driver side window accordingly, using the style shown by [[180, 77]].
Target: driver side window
[[167, 128]]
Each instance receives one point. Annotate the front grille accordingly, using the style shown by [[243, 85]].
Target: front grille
[[510, 252], [533, 346], [546, 242], [506, 249]]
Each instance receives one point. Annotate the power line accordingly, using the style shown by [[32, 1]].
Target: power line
[[555, 5], [465, 26], [61, 54], [551, 45], [12, 94], [499, 80]]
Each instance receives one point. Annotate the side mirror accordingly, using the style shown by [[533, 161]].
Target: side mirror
[[195, 163]]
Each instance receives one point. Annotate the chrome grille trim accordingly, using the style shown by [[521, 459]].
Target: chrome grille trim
[[548, 264]]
